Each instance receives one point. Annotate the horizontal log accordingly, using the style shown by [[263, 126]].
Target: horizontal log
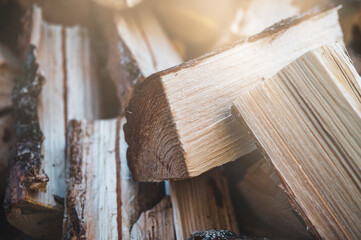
[[179, 122]]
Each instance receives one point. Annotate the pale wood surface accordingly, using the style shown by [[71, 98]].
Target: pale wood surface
[[70, 90], [103, 201], [156, 223], [193, 119], [118, 4], [306, 119], [202, 203]]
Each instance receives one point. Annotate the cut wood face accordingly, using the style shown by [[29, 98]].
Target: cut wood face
[[103, 201], [202, 203], [70, 91], [179, 122], [306, 119]]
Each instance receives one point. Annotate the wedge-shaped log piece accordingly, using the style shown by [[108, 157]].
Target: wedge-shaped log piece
[[202, 203], [102, 202], [156, 223], [60, 67], [179, 122], [306, 119]]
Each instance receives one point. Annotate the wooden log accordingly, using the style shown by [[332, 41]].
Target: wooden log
[[137, 46], [179, 122], [202, 203], [62, 63], [102, 202], [306, 121], [156, 223], [263, 208]]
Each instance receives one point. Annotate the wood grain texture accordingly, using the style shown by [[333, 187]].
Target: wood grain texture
[[103, 201], [194, 123], [156, 223], [306, 120], [202, 203], [70, 90], [118, 4]]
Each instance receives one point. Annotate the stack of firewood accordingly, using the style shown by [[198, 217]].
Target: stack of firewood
[[108, 132]]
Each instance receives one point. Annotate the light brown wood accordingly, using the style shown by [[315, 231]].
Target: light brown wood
[[156, 223], [179, 122], [70, 91], [103, 201], [306, 119], [266, 210], [202, 203]]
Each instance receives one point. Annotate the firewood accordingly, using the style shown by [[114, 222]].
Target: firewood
[[263, 206], [102, 202], [306, 121], [58, 64], [179, 122], [156, 223], [136, 47], [202, 203]]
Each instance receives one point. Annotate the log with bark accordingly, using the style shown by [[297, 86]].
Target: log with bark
[[306, 119], [179, 122], [103, 201], [58, 64]]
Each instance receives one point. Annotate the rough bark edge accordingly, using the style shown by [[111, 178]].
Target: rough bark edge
[[26, 174], [73, 226]]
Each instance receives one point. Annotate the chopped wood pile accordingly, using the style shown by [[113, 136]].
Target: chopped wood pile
[[180, 119]]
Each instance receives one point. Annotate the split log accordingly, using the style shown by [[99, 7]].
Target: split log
[[156, 223], [202, 203], [137, 46], [263, 208], [102, 202], [179, 122], [62, 63], [306, 120]]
